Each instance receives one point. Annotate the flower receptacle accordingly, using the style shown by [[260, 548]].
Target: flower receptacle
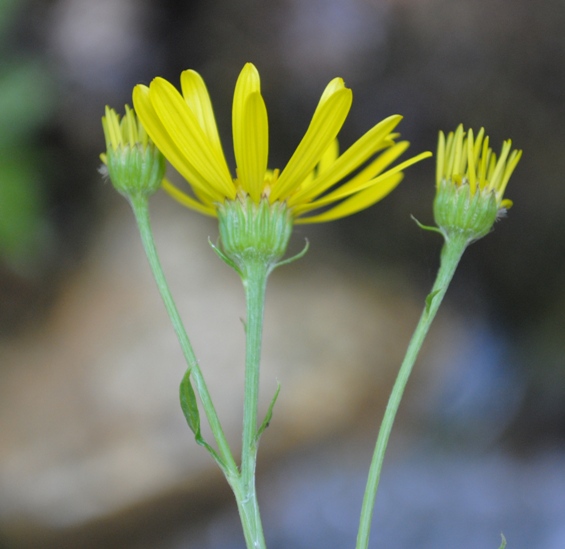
[[460, 212], [136, 170], [252, 232]]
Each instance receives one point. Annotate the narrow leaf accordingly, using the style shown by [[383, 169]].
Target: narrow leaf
[[188, 403], [189, 407], [269, 414], [430, 299]]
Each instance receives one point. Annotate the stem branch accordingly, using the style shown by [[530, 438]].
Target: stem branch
[[140, 206], [451, 254]]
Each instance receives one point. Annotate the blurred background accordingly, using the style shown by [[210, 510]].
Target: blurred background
[[94, 451]]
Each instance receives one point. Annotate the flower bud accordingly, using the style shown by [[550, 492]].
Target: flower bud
[[470, 184], [135, 166]]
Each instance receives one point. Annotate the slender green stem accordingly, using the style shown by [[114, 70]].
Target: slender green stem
[[140, 205], [242, 482], [451, 254], [255, 283]]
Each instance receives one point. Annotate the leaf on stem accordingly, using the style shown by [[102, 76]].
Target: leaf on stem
[[189, 407], [268, 415], [430, 299], [503, 544]]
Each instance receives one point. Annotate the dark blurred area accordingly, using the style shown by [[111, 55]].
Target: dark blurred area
[[492, 412]]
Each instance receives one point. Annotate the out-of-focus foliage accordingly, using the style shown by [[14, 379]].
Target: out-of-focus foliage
[[26, 100]]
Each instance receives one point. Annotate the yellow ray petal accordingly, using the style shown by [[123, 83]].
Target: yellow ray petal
[[471, 167], [450, 150], [329, 156], [484, 163], [369, 177], [512, 163], [350, 160], [333, 86], [252, 146], [187, 200], [458, 158], [250, 131], [184, 129], [248, 82], [359, 185], [498, 173], [197, 98], [323, 129], [162, 139], [440, 161], [357, 202]]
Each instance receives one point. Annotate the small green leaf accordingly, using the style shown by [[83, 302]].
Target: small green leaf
[[503, 544], [188, 403], [430, 299], [189, 407], [269, 414]]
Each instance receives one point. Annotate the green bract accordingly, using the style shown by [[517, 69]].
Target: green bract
[[459, 211], [254, 232]]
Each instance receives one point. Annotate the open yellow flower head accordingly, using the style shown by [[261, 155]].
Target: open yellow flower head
[[134, 164], [470, 183], [317, 184], [184, 129]]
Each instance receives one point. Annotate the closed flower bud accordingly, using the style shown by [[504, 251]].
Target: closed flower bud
[[470, 184], [133, 163]]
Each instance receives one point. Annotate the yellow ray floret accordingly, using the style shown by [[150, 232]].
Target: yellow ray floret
[[317, 184], [466, 159]]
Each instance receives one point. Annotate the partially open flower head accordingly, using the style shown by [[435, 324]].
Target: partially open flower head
[[317, 184], [470, 183], [135, 166]]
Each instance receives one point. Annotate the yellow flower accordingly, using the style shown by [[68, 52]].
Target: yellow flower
[[315, 178], [470, 183], [123, 131], [468, 160], [133, 163]]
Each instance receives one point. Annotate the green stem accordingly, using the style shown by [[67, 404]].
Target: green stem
[[255, 280], [255, 283], [451, 254], [140, 206]]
